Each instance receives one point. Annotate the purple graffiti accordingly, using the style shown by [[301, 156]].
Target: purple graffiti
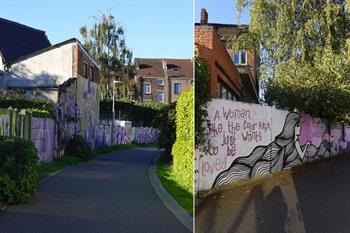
[[146, 135]]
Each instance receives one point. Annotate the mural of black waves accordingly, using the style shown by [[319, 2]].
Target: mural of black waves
[[284, 152]]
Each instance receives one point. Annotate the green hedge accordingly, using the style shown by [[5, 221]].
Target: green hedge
[[183, 148], [166, 124], [142, 114], [39, 108], [18, 170]]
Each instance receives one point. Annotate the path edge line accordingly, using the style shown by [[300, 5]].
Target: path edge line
[[180, 213]]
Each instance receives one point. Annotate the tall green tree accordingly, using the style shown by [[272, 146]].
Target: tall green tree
[[105, 42], [304, 49]]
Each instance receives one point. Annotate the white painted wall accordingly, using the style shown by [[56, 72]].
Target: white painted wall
[[50, 68], [238, 130]]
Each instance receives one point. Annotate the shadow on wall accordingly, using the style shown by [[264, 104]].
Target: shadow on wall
[[20, 76]]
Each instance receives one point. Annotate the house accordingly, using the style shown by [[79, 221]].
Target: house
[[64, 74], [234, 74], [162, 80]]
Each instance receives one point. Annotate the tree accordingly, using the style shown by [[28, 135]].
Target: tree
[[105, 42], [202, 97], [305, 53]]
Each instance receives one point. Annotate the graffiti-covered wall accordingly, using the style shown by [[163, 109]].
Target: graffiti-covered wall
[[125, 135], [43, 134], [78, 109], [249, 140], [144, 135]]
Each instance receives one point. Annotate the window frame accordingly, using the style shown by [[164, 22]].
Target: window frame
[[91, 72], [160, 80], [150, 88], [176, 84], [239, 54], [162, 93], [85, 70]]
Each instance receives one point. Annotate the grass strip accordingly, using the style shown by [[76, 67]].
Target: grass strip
[[168, 180]]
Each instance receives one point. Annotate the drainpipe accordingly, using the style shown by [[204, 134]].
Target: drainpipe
[[166, 86]]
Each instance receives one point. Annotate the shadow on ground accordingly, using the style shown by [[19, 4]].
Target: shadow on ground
[[308, 198]]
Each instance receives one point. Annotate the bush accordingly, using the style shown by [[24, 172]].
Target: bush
[[201, 100], [142, 114], [183, 148], [40, 108], [18, 170], [166, 124], [76, 146]]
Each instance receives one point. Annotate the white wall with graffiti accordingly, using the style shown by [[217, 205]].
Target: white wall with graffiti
[[250, 140]]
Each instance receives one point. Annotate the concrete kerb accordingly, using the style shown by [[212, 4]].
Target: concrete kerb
[[180, 213]]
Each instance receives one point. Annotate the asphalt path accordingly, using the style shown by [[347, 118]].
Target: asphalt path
[[314, 198], [111, 193]]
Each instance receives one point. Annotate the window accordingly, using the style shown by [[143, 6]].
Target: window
[[85, 70], [176, 69], [224, 93], [177, 88], [240, 57], [160, 82], [91, 72], [147, 88], [160, 96]]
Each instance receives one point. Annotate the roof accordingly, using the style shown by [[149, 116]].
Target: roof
[[185, 65], [225, 31], [149, 67], [69, 41], [18, 40], [153, 67]]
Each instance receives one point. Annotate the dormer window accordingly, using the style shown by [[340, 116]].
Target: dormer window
[[176, 69], [240, 57]]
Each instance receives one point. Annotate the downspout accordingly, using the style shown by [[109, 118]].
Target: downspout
[[166, 87]]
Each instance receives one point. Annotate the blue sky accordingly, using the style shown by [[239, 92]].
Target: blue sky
[[220, 11], [153, 28]]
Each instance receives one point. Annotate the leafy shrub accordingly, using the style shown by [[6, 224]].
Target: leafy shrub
[[18, 170], [183, 148], [141, 114], [76, 146], [201, 100], [40, 108], [166, 124]]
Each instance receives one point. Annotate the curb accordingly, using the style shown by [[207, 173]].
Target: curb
[[180, 213], [55, 173]]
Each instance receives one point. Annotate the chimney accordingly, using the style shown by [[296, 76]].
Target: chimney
[[204, 16]]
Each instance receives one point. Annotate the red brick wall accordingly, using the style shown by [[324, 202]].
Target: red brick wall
[[212, 50], [154, 88], [79, 58]]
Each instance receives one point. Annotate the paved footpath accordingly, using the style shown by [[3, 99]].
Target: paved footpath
[[111, 193], [312, 199]]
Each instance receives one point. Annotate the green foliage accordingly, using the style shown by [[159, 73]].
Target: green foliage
[[305, 53], [182, 196], [202, 98], [167, 126], [76, 146], [144, 114], [18, 170], [39, 108], [106, 44], [183, 149]]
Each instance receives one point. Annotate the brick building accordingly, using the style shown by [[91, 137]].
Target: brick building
[[234, 74], [162, 80]]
